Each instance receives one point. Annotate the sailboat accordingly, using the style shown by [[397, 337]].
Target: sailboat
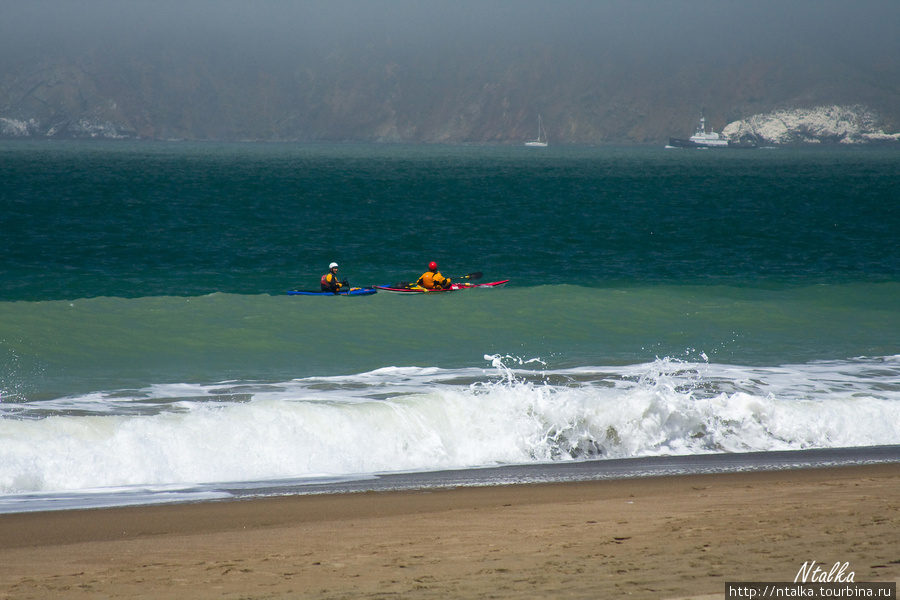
[[541, 140]]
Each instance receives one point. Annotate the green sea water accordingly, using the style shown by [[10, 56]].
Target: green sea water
[[129, 263]]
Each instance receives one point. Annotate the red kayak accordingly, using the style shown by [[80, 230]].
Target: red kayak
[[414, 289]]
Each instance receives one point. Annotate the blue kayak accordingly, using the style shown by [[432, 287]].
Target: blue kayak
[[351, 292]]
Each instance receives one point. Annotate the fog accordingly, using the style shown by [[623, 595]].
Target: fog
[[659, 28], [473, 70]]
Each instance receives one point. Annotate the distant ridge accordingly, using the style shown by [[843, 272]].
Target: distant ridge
[[483, 85]]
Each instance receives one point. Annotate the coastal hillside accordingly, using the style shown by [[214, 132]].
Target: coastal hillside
[[386, 73]]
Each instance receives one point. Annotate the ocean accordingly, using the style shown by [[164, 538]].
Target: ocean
[[662, 304]]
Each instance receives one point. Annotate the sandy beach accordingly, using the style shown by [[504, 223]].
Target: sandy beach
[[653, 537]]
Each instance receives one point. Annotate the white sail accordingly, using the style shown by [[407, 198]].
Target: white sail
[[541, 140]]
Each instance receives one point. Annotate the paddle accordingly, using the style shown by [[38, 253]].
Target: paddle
[[475, 275], [406, 284]]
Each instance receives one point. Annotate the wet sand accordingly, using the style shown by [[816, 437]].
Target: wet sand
[[651, 537]]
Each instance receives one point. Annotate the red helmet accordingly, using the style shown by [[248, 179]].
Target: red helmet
[[432, 266]]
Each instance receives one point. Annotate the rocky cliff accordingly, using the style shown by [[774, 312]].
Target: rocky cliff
[[819, 125]]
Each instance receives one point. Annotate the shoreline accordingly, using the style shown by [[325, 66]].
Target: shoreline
[[647, 537], [604, 469]]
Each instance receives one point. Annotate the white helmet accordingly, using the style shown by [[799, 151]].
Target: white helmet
[[332, 266]]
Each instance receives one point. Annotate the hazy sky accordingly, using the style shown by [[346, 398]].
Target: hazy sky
[[867, 28]]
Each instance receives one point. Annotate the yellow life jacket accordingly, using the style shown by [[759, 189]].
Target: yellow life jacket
[[330, 283], [430, 280]]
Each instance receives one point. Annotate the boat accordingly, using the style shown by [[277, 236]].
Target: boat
[[705, 140], [357, 291], [400, 288], [541, 140]]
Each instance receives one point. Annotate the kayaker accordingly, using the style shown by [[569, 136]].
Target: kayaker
[[432, 279], [330, 281]]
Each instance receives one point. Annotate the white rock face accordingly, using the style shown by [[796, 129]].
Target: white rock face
[[80, 129], [17, 128], [94, 129], [823, 124]]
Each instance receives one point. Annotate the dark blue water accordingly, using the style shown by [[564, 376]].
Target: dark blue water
[[131, 220]]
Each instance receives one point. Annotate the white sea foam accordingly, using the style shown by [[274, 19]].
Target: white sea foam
[[421, 419]]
